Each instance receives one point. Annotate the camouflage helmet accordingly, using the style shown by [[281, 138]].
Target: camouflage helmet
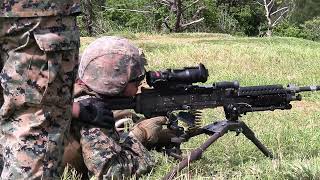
[[109, 63]]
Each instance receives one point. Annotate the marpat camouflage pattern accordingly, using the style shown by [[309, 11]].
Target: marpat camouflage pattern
[[105, 154], [109, 63], [38, 58], [38, 8]]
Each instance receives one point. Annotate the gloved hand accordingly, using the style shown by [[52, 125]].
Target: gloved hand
[[148, 130], [165, 137], [95, 112]]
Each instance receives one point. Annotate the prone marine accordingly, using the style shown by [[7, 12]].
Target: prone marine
[[111, 67]]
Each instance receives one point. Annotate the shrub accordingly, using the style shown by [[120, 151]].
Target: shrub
[[288, 30], [311, 29]]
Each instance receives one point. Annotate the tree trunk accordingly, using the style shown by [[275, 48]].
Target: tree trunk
[[88, 17], [269, 32], [177, 27]]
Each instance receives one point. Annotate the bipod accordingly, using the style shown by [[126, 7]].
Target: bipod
[[217, 130]]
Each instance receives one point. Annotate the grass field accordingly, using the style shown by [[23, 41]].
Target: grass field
[[293, 136]]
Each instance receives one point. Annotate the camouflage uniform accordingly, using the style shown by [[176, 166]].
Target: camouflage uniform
[[105, 154], [39, 43], [106, 66]]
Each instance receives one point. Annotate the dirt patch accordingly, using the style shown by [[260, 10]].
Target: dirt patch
[[306, 106]]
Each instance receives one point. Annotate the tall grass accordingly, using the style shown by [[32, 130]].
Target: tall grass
[[293, 136]]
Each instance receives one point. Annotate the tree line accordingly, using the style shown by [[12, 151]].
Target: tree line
[[297, 18]]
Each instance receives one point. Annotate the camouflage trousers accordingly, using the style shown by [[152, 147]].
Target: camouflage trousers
[[108, 157], [37, 58]]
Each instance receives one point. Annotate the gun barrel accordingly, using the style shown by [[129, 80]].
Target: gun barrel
[[309, 88]]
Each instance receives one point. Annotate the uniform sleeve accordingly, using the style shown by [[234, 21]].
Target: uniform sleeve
[[106, 157]]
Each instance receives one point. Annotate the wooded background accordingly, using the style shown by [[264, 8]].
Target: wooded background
[[294, 18]]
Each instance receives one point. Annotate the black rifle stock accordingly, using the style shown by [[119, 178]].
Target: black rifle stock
[[170, 94]]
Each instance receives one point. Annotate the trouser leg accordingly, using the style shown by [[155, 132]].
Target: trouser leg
[[38, 81]]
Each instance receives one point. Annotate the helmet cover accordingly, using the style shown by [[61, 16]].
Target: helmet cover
[[109, 63]]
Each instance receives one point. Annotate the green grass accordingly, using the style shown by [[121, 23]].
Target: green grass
[[293, 136]]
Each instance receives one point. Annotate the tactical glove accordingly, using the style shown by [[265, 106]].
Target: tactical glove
[[95, 112], [165, 137], [148, 130]]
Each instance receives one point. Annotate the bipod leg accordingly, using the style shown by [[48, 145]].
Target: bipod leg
[[216, 130], [251, 136]]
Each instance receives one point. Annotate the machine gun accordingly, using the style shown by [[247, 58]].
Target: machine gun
[[173, 90]]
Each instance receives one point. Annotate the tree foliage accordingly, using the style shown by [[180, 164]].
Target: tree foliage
[[241, 17], [305, 10]]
